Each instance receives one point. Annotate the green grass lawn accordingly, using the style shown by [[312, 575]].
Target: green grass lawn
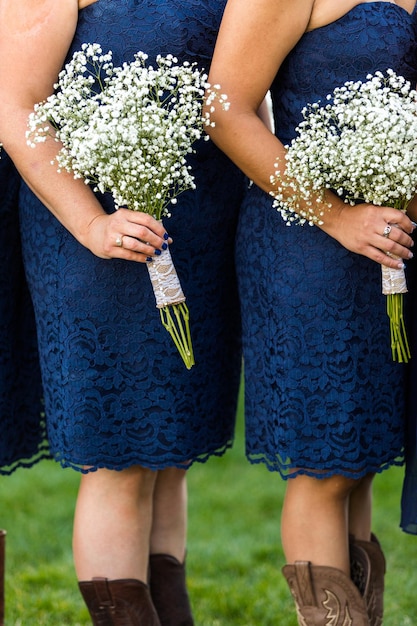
[[234, 553]]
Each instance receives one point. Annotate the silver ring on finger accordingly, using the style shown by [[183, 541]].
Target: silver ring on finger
[[387, 230], [119, 241]]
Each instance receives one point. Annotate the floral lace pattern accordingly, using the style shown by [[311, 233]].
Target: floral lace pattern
[[116, 391], [22, 440], [322, 392], [408, 498]]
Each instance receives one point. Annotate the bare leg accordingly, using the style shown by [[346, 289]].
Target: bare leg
[[113, 521], [368, 563], [169, 526], [360, 509], [315, 521], [168, 542]]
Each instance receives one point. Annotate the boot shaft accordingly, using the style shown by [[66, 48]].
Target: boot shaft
[[125, 602], [368, 567], [325, 596], [167, 581]]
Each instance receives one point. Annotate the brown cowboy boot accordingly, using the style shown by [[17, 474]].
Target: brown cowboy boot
[[125, 602], [324, 596], [169, 591], [367, 564]]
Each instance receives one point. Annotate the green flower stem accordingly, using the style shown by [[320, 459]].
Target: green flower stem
[[179, 329], [399, 342]]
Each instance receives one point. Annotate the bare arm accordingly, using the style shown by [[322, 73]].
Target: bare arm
[[84, 3], [35, 36], [245, 63]]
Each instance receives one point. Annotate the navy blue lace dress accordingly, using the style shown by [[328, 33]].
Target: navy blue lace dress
[[116, 391], [322, 391], [409, 492], [22, 440]]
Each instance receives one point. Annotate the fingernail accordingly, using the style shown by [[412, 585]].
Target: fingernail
[[401, 266], [414, 224], [166, 236], [158, 252], [410, 255], [149, 259], [164, 246]]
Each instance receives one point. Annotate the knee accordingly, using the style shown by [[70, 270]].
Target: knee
[[132, 480], [139, 480], [330, 488], [339, 487], [172, 476]]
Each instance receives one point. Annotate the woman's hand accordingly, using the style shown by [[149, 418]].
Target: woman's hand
[[380, 233], [126, 234]]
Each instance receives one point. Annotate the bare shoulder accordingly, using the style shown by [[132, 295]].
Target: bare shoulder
[[26, 14], [34, 39], [327, 11], [262, 20]]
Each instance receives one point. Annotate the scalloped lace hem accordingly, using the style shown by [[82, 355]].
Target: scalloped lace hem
[[110, 464], [42, 454], [287, 470]]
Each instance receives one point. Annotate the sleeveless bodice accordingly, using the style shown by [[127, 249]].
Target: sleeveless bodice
[[187, 29], [315, 329], [372, 35]]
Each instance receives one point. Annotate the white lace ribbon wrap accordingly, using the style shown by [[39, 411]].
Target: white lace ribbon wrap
[[165, 281], [393, 281]]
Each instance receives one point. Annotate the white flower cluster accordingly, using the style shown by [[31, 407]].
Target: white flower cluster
[[362, 145], [127, 130]]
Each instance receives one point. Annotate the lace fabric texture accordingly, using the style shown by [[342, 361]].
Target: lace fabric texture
[[408, 498], [393, 281], [23, 434], [165, 282], [323, 396], [116, 390]]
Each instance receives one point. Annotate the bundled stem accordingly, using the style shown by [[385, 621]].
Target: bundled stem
[[179, 329], [394, 285], [170, 301], [399, 342]]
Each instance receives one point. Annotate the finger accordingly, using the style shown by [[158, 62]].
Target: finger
[[400, 220], [116, 236], [394, 248], [396, 231], [404, 223], [132, 250], [143, 247], [130, 255], [143, 225], [385, 259], [141, 233], [396, 242], [144, 235]]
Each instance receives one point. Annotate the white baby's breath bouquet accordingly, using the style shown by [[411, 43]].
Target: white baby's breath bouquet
[[362, 145], [128, 130]]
